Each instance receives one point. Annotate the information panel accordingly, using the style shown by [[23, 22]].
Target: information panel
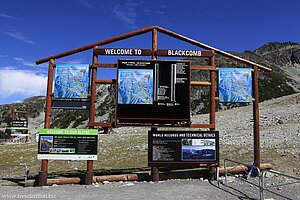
[[19, 123], [68, 144], [235, 85], [71, 81], [153, 93], [196, 148]]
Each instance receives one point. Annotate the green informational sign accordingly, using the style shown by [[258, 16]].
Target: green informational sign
[[68, 144]]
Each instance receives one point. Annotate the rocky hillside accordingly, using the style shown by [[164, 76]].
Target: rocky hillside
[[283, 58]]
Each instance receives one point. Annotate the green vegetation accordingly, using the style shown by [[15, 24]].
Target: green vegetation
[[115, 152], [122, 152]]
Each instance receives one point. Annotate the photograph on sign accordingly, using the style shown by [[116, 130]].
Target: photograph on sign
[[153, 93], [198, 149], [183, 148], [71, 81], [46, 143], [68, 144], [235, 85]]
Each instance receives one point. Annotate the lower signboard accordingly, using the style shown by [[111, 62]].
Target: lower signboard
[[68, 144], [196, 148]]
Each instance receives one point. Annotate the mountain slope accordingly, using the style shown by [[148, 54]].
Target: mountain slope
[[283, 58]]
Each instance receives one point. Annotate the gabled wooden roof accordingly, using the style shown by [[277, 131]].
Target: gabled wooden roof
[[148, 29]]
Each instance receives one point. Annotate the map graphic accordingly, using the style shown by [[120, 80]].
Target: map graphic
[[71, 81], [235, 85], [135, 86]]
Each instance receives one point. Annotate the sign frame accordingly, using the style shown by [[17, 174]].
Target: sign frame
[[128, 114], [68, 144], [167, 142]]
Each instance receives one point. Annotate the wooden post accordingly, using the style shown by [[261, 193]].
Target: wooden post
[[88, 176], [42, 179], [212, 115], [256, 118], [212, 119], [93, 89], [154, 170]]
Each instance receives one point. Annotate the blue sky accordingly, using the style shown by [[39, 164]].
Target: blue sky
[[35, 29]]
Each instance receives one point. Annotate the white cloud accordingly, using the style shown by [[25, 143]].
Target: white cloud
[[19, 36], [127, 13], [17, 82], [86, 3], [25, 62], [75, 61], [8, 16]]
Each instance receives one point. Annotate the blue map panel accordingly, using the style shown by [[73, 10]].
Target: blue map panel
[[135, 86], [71, 81], [235, 85]]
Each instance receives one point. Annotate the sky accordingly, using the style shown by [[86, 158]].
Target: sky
[[34, 29]]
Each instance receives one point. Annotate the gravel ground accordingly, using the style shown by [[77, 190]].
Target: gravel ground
[[280, 145], [169, 190]]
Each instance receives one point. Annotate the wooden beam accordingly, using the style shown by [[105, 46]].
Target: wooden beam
[[110, 81], [202, 126], [145, 30], [205, 46], [200, 83], [104, 65], [101, 124], [199, 67], [100, 43]]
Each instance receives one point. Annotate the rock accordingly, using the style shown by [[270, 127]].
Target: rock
[[280, 121], [128, 185], [105, 182]]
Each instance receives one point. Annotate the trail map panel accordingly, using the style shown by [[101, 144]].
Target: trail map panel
[[153, 93], [196, 148], [135, 86], [71, 81], [235, 85]]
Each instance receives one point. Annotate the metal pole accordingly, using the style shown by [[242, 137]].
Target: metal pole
[[42, 179], [256, 118]]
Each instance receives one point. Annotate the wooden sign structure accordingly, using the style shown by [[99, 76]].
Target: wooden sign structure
[[154, 52]]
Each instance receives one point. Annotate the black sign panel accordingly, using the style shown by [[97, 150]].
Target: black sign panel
[[193, 148], [19, 123], [76, 105], [153, 93]]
